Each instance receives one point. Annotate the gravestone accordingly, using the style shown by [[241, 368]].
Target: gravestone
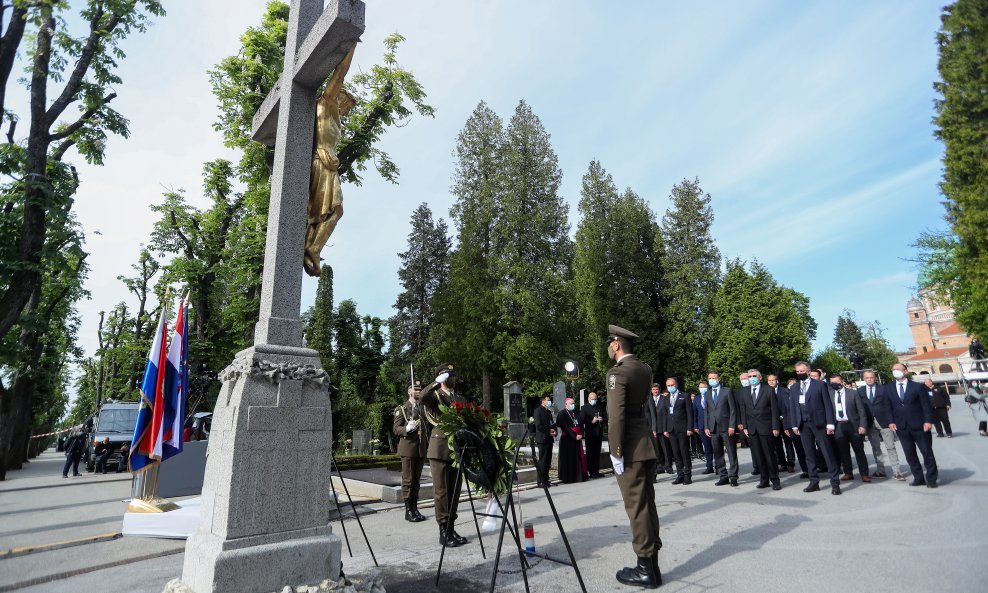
[[559, 395], [265, 497], [515, 410], [361, 442]]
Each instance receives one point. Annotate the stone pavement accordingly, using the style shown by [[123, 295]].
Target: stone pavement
[[876, 537]]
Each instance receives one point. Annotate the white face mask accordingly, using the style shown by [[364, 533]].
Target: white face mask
[[744, 382], [898, 374]]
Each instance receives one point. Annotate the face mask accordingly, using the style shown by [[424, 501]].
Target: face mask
[[548, 404], [703, 391], [898, 374], [592, 402], [744, 382], [714, 382], [836, 386], [672, 390], [801, 376], [571, 407], [753, 381]]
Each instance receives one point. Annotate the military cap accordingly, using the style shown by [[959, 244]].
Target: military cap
[[417, 385], [616, 331], [445, 367]]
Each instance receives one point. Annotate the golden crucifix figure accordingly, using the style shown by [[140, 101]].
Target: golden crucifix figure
[[325, 196]]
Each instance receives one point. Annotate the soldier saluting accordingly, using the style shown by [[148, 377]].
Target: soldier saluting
[[445, 486], [412, 444], [633, 454]]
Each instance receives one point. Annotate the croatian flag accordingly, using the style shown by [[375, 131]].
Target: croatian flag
[[176, 389], [152, 394]]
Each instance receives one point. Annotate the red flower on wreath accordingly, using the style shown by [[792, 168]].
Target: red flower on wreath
[[487, 413], [458, 406]]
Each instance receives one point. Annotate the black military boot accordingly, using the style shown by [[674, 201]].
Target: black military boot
[[642, 575], [449, 538], [655, 568], [409, 513], [416, 515]]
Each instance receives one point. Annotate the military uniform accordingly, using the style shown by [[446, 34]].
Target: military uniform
[[412, 449], [445, 487], [629, 436]]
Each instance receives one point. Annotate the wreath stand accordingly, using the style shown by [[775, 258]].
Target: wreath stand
[[353, 507], [467, 445]]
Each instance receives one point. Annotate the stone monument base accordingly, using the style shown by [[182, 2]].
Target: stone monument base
[[267, 562], [372, 584]]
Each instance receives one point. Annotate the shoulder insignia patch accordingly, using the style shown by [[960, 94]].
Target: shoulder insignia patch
[[611, 381]]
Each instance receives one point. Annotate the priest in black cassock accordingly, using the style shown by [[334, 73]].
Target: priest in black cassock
[[572, 461]]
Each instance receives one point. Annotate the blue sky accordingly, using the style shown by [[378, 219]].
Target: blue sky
[[808, 123]]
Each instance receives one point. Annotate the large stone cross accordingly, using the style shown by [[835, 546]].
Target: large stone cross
[[317, 41], [264, 522]]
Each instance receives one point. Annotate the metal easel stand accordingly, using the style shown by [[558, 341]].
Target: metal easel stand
[[353, 507], [449, 517], [510, 504]]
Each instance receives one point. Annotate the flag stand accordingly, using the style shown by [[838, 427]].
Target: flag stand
[[144, 492]]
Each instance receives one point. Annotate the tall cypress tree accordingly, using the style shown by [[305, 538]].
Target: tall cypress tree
[[848, 337], [616, 269], [691, 264], [319, 319], [962, 125], [423, 266], [466, 311], [534, 255]]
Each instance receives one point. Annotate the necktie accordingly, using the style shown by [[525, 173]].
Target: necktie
[[902, 392], [754, 394], [871, 394], [715, 395], [840, 403]]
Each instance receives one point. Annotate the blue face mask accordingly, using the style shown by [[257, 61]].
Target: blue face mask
[[714, 382], [571, 407], [753, 381], [703, 391], [593, 402], [672, 390]]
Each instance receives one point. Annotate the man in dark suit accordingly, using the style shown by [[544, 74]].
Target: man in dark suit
[[699, 419], [907, 406], [633, 455], [663, 449], [811, 414], [761, 424], [678, 423], [851, 415], [786, 449], [545, 436], [940, 400], [594, 418], [445, 487], [878, 431], [721, 418]]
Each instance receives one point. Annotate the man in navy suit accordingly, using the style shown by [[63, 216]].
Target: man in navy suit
[[908, 410], [811, 414], [721, 417]]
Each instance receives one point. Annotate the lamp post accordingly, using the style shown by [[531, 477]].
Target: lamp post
[[572, 370]]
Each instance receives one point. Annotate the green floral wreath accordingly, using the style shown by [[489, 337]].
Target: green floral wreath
[[488, 451]]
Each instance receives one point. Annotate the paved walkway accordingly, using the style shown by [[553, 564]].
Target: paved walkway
[[877, 537]]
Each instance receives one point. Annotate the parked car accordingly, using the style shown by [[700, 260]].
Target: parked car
[[116, 421]]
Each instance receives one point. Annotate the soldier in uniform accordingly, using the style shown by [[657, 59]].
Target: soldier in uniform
[[633, 455], [412, 445], [445, 486]]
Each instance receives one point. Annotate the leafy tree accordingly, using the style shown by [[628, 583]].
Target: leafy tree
[[758, 323], [831, 361], [84, 63], [616, 268], [962, 125], [691, 267]]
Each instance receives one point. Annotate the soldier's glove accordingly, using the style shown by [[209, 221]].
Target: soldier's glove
[[411, 426], [442, 378], [618, 464]]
